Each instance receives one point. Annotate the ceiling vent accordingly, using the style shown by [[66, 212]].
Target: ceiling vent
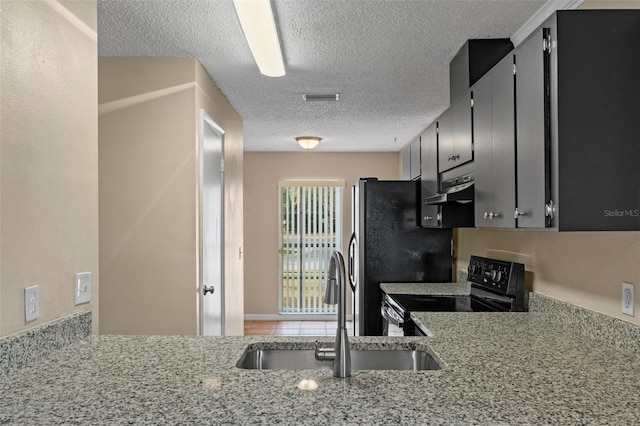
[[326, 98]]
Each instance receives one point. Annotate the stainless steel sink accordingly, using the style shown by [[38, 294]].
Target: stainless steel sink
[[361, 359]]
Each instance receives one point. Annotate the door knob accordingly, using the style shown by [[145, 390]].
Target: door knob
[[209, 289]]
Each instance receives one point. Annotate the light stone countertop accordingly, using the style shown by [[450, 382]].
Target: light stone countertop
[[428, 289], [498, 369]]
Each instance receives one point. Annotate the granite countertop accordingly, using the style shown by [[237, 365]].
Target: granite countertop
[[498, 368], [428, 289]]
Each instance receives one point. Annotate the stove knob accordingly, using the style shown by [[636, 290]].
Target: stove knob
[[499, 276], [493, 275]]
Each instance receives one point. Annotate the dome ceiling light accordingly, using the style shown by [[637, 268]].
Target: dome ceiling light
[[308, 142]]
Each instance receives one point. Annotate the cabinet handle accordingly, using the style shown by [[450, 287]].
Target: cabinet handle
[[428, 217], [209, 289], [491, 215], [517, 214]]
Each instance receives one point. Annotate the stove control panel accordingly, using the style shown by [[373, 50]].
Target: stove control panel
[[496, 275]]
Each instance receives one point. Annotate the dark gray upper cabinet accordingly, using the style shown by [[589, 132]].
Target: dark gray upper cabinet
[[455, 142], [429, 178], [533, 131], [414, 148], [578, 123], [494, 146], [411, 167], [473, 60], [445, 140]]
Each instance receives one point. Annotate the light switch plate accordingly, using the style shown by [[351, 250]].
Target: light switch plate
[[31, 303], [83, 287], [628, 298]]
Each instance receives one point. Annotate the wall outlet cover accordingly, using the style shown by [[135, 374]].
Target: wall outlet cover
[[83, 287], [628, 299], [31, 303]]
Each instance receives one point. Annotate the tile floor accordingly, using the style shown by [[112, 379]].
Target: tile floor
[[293, 328]]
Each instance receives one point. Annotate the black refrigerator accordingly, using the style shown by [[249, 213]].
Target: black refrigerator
[[388, 245]]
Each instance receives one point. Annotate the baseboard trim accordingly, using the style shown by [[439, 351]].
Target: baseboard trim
[[293, 317]]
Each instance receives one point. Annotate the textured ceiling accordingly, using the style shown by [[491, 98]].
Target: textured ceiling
[[387, 59]]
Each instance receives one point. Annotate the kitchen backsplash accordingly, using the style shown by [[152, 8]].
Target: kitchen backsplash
[[621, 335], [19, 350]]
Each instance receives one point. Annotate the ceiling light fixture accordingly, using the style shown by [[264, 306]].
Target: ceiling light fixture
[[308, 142], [259, 28], [333, 97]]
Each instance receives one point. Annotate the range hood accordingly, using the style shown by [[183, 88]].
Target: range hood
[[458, 190]]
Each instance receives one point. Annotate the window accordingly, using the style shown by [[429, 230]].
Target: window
[[310, 230]]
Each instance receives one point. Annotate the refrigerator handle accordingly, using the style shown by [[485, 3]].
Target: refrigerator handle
[[353, 265]]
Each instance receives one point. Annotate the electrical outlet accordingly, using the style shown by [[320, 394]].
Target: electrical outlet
[[83, 287], [31, 303], [628, 298]]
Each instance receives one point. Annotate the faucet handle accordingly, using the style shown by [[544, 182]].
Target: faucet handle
[[324, 354]]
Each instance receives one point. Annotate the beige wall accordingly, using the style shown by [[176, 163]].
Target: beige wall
[[262, 171], [48, 163], [149, 185]]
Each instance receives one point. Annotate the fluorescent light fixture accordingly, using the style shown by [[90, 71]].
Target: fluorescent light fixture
[[259, 28], [308, 142]]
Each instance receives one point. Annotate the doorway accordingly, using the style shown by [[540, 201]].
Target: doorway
[[211, 227], [310, 231]]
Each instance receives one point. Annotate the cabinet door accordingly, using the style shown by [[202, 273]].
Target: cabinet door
[[504, 145], [455, 143], [533, 131], [483, 146], [445, 141], [415, 159], [462, 130], [429, 177], [406, 163]]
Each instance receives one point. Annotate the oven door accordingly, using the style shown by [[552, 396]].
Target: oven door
[[390, 315]]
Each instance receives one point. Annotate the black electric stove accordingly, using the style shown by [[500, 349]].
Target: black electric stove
[[496, 286]]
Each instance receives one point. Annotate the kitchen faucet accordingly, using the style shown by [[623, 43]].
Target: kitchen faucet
[[336, 293]]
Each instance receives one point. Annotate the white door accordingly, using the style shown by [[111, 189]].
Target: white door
[[211, 227]]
